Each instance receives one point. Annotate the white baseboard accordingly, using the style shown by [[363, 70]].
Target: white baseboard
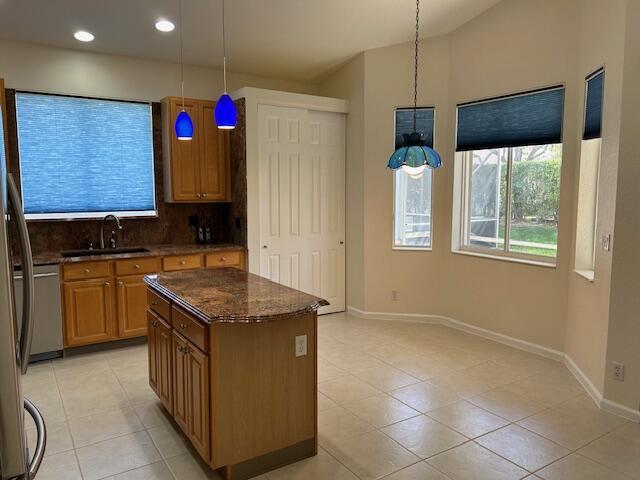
[[594, 393]]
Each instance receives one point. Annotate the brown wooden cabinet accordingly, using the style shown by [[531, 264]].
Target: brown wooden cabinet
[[180, 387], [152, 342], [160, 360], [132, 306], [89, 311], [196, 170]]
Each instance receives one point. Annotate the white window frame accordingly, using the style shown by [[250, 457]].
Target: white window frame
[[462, 205], [410, 248]]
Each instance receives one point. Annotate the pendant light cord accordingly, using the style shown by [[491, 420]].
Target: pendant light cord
[[224, 52], [415, 73], [181, 61]]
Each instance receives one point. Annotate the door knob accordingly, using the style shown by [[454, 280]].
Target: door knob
[[264, 246], [341, 242]]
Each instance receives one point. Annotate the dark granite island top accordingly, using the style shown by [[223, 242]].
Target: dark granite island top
[[229, 295]]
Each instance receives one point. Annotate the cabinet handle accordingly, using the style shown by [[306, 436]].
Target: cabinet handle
[[204, 195], [120, 284], [183, 262], [107, 284], [154, 323], [154, 302], [136, 266], [223, 259], [87, 270], [183, 326]]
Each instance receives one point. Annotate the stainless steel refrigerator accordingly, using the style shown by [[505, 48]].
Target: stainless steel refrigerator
[[16, 461]]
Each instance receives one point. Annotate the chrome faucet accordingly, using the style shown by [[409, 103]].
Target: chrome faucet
[[112, 242]]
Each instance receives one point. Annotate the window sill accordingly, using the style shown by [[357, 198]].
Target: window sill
[[524, 261], [589, 275], [412, 249]]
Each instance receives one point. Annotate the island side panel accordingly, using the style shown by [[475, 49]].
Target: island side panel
[[263, 396]]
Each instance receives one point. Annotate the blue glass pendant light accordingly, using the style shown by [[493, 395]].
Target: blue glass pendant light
[[225, 113], [414, 155], [183, 125]]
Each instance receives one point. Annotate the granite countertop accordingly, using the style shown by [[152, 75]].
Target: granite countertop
[[51, 258], [229, 295]]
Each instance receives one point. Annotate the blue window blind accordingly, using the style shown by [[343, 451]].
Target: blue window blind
[[593, 106], [530, 118], [83, 157], [424, 124]]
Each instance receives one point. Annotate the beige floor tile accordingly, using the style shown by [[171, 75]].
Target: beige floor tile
[[493, 374], [619, 450], [584, 408], [577, 467], [117, 455], [58, 438], [464, 384], [381, 410], [425, 396], [424, 367], [53, 412], [60, 466], [347, 389], [321, 467], [507, 404], [523, 363], [417, 471], [102, 426], [138, 391], [424, 436], [549, 394], [386, 378], [522, 447], [372, 456], [188, 467], [354, 361], [94, 398], [168, 440], [567, 428], [468, 419], [328, 371], [459, 359], [155, 471], [337, 424], [473, 462], [393, 353], [152, 414], [325, 403]]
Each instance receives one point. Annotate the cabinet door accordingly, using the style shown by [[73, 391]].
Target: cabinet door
[[180, 385], [198, 398], [165, 371], [185, 175], [89, 312], [214, 156], [152, 348], [132, 306]]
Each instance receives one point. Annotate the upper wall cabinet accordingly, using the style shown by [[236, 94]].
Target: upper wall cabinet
[[196, 170]]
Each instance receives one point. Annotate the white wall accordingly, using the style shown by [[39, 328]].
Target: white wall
[[47, 69]]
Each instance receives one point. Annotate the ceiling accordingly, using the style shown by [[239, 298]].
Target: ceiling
[[292, 39]]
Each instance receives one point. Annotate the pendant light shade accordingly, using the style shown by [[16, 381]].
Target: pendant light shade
[[184, 126], [414, 155], [226, 113]]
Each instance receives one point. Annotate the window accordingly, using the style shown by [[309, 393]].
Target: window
[[84, 158], [589, 173], [412, 194], [508, 176]]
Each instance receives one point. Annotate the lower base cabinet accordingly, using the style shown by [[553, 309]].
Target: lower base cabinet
[[132, 306], [160, 360], [89, 311]]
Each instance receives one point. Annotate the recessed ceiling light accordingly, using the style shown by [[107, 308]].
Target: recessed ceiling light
[[165, 26], [84, 36]]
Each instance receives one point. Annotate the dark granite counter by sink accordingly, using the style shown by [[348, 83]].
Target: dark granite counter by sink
[[232, 296], [52, 258]]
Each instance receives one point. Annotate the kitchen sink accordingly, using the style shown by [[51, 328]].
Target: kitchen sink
[[102, 251]]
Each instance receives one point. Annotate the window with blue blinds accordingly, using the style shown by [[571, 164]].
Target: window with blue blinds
[[424, 124], [593, 106], [529, 118], [84, 158]]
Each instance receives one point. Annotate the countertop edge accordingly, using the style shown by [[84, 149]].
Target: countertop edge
[[180, 302]]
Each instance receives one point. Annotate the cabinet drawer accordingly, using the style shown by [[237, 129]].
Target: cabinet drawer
[[224, 259], [181, 262], [194, 331], [137, 266], [159, 305], [82, 270]]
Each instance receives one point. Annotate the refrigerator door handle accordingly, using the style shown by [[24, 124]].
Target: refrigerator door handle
[[26, 334], [41, 441]]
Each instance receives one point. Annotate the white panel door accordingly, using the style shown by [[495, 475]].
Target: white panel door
[[302, 172]]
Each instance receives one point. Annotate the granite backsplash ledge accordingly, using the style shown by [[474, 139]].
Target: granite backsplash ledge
[[227, 221]]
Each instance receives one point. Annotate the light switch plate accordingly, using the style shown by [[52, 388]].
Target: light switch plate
[[301, 345]]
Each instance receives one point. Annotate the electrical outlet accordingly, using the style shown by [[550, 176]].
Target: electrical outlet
[[618, 371], [301, 345], [606, 243], [395, 296]]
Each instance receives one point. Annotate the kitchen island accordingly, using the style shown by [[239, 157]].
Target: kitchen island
[[233, 358]]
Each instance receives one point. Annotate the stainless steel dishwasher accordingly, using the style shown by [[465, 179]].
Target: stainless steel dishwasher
[[47, 329]]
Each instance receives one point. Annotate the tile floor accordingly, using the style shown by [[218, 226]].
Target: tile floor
[[397, 400]]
